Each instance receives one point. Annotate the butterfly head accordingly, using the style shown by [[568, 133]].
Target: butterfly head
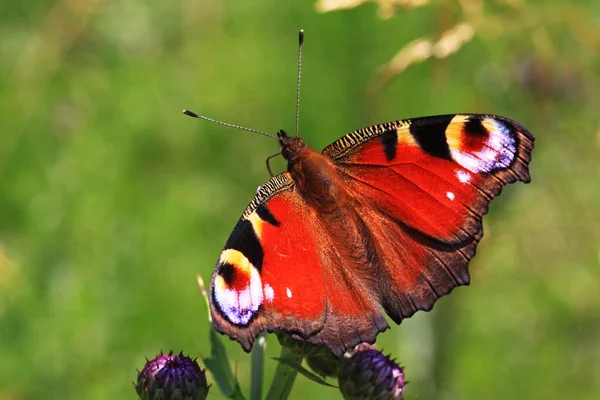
[[291, 146]]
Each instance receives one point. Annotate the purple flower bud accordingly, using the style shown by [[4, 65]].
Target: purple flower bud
[[170, 377], [368, 374]]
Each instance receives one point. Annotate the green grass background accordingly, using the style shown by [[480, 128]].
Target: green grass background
[[111, 200]]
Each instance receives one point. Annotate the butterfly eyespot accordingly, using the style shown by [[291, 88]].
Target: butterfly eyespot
[[237, 287], [481, 145]]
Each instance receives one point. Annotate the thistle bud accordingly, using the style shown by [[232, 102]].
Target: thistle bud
[[369, 374], [172, 377]]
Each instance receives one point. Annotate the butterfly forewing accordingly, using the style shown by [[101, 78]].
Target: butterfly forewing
[[438, 173]]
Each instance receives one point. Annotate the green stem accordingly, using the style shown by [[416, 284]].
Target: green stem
[[257, 369], [283, 381]]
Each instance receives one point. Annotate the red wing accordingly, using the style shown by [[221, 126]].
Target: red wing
[[422, 187], [278, 271]]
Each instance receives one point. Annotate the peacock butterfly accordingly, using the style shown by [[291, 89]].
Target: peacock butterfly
[[383, 221]]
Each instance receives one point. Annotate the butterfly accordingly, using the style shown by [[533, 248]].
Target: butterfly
[[383, 221]]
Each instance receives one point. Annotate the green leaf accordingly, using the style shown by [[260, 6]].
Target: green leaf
[[285, 375], [298, 367], [218, 365]]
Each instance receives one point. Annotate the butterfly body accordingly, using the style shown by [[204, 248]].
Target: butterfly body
[[318, 183], [383, 221]]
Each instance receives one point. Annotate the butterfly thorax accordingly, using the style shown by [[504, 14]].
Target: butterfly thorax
[[314, 174]]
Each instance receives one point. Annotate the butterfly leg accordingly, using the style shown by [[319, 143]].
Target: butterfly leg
[[269, 166]]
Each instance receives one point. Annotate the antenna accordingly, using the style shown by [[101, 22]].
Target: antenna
[[300, 41], [243, 128]]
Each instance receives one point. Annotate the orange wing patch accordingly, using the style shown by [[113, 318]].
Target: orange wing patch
[[404, 136], [455, 134], [257, 223]]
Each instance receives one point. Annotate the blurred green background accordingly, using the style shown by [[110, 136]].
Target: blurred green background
[[112, 200]]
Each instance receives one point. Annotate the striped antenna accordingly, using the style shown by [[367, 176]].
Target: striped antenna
[[194, 115], [300, 41]]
